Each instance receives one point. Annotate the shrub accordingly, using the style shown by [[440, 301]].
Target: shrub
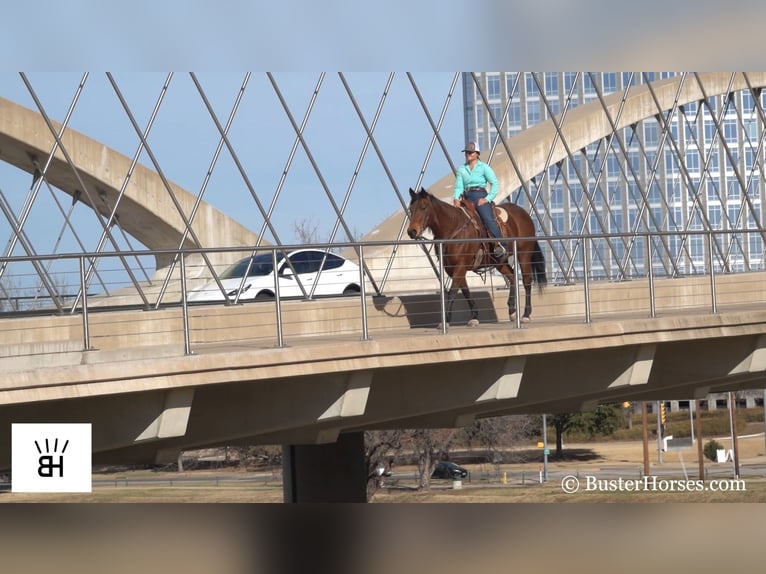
[[710, 449]]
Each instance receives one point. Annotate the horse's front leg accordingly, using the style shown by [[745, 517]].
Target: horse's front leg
[[474, 320], [451, 294], [459, 282], [449, 301]]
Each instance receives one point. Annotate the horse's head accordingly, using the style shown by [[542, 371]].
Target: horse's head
[[420, 213]]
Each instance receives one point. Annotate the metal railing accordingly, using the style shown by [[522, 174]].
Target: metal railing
[[590, 292]]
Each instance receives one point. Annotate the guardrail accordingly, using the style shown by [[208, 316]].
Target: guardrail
[[583, 289]]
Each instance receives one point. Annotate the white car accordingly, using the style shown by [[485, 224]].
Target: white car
[[322, 272]]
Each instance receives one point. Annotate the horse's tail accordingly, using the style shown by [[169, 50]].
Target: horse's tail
[[538, 267]]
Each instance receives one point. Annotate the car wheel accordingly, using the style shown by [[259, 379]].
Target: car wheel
[[264, 296], [351, 290]]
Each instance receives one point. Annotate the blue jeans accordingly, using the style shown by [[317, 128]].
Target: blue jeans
[[485, 211]]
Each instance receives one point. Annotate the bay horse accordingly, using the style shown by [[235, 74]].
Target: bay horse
[[449, 222]]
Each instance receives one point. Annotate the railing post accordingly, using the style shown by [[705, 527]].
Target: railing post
[[515, 286], [650, 274], [442, 300], [185, 308], [712, 272], [85, 325], [585, 274], [365, 333], [277, 300]]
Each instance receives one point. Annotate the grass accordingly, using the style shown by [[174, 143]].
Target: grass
[[521, 483], [551, 492]]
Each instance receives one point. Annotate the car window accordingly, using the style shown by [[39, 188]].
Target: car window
[[333, 262], [262, 265], [306, 261]]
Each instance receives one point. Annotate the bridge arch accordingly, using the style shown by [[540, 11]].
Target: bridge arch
[[151, 208], [519, 159], [94, 173]]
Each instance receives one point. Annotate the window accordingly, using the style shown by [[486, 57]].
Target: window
[[310, 261], [714, 215], [712, 190], [510, 80], [493, 87], [533, 113], [710, 130], [551, 84], [496, 111], [613, 166], [650, 134], [531, 86], [730, 131], [514, 114], [748, 103], [615, 193], [671, 165], [554, 104], [569, 82], [557, 198], [305, 262], [693, 160], [590, 89]]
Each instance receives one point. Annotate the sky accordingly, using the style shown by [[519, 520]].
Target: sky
[[183, 139]]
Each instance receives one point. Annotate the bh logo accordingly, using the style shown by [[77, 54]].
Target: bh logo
[[51, 457]]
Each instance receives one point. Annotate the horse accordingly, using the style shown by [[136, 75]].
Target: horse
[[449, 222]]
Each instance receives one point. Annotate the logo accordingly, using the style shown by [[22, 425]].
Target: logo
[[51, 457]]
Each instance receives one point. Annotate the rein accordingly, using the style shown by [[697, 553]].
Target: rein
[[454, 234]]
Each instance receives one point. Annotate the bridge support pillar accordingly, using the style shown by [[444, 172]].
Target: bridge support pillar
[[332, 472]]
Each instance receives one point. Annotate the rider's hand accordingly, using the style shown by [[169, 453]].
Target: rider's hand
[[456, 202], [482, 201]]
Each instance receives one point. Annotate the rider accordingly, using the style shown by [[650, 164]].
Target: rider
[[471, 182]]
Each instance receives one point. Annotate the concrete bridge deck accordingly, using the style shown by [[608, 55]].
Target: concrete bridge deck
[[147, 399]]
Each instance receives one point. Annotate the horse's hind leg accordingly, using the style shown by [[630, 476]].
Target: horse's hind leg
[[527, 280]]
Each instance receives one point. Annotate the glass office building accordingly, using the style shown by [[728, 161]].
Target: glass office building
[[695, 167]]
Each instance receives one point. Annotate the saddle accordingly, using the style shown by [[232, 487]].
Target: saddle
[[483, 257]]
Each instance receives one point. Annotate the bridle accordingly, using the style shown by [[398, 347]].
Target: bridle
[[427, 215]]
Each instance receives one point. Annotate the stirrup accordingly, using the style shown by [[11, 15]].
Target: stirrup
[[500, 252]]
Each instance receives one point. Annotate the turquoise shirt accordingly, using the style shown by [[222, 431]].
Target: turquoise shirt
[[479, 176]]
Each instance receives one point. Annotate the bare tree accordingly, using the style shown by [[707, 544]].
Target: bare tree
[[307, 230], [430, 446], [493, 434], [381, 447]]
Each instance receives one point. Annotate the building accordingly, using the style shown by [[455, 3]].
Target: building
[[695, 168]]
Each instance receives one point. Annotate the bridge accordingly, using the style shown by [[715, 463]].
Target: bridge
[[156, 375]]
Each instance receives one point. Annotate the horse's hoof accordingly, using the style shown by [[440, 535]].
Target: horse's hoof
[[473, 322], [526, 319]]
